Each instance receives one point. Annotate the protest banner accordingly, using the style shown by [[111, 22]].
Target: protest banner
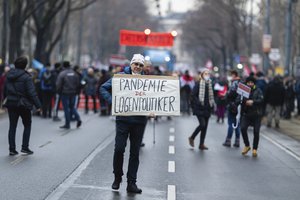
[[145, 95]]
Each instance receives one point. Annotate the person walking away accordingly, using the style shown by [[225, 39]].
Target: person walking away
[[67, 85], [274, 99], [232, 111], [127, 126], [221, 100], [202, 103], [251, 114], [90, 90], [186, 85], [47, 89], [21, 96]]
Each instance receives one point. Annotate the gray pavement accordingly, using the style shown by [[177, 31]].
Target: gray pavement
[[219, 173], [77, 164]]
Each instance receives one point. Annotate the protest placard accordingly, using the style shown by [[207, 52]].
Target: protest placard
[[243, 90], [145, 95]]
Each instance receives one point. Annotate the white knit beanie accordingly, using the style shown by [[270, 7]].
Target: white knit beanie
[[138, 58]]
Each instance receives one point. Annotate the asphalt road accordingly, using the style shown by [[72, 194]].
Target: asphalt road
[[77, 164]]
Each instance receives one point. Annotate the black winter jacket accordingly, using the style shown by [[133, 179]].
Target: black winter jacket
[[199, 109], [19, 84], [274, 93], [68, 82], [256, 110]]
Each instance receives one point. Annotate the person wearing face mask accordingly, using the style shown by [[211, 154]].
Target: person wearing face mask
[[202, 102], [131, 127], [232, 110], [251, 114]]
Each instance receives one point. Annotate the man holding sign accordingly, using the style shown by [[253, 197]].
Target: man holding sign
[[127, 126], [133, 98]]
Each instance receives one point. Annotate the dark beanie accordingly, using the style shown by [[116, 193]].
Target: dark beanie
[[21, 62], [250, 79], [66, 64]]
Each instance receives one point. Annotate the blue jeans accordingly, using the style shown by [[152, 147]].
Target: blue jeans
[[68, 102], [232, 120]]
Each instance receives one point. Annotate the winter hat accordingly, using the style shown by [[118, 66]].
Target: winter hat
[[250, 79], [66, 64], [138, 58], [21, 62]]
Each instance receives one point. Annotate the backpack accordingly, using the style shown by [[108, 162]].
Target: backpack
[[47, 78]]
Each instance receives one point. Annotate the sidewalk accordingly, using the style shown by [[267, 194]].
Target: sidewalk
[[289, 127]]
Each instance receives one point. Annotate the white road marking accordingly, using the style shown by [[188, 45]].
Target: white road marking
[[171, 166], [171, 138], [171, 150], [282, 147], [172, 130], [69, 182], [171, 192]]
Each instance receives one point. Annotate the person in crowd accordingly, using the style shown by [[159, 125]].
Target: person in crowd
[[274, 99], [289, 99], [221, 90], [47, 90], [202, 101], [67, 85], [127, 126], [57, 97], [89, 89], [251, 115], [186, 86], [297, 91], [104, 105], [232, 111], [21, 97], [2, 82]]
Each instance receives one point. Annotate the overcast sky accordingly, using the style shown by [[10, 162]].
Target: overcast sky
[[176, 5], [183, 5]]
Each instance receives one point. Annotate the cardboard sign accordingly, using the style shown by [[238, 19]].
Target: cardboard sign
[[243, 90], [145, 95]]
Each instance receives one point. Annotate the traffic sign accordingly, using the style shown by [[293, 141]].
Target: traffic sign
[[274, 55]]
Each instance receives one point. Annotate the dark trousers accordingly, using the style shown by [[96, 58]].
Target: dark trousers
[[68, 102], [14, 114], [203, 123], [56, 105], [47, 104], [245, 123], [87, 103], [135, 134]]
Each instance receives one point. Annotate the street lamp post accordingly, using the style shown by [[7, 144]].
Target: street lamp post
[[267, 32], [288, 34]]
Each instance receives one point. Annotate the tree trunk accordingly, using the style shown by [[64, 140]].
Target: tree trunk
[[4, 30], [40, 48]]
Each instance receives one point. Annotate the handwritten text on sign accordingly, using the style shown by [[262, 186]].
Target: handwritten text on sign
[[143, 95], [243, 90]]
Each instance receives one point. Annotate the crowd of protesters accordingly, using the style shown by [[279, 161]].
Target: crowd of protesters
[[271, 97]]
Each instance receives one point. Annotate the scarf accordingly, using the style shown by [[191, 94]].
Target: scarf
[[202, 92]]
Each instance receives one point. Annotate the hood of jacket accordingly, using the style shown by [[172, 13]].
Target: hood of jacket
[[13, 74]]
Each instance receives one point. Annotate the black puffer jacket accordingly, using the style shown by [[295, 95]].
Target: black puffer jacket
[[18, 85], [256, 109]]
